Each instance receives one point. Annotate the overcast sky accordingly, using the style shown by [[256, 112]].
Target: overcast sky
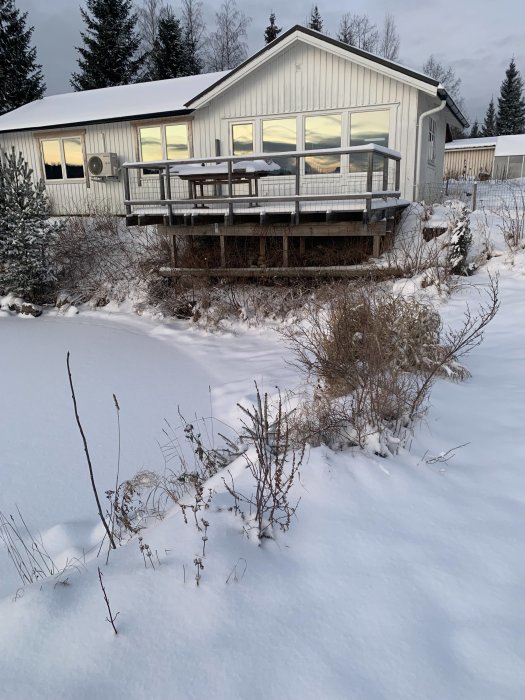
[[476, 37]]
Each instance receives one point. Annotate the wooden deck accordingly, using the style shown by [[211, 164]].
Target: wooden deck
[[296, 209]]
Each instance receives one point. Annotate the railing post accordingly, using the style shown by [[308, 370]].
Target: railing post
[[161, 186], [168, 193], [370, 171], [297, 188], [398, 175], [127, 191], [385, 173], [230, 192]]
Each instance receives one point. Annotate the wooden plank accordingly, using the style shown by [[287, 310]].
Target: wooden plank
[[307, 229], [350, 272]]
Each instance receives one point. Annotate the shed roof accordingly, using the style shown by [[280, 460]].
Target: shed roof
[[504, 145], [109, 104]]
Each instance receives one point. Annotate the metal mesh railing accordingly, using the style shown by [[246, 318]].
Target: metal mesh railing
[[489, 195]]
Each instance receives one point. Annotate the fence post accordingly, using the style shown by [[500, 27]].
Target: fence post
[[475, 196]]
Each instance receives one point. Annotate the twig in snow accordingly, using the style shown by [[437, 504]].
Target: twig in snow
[[111, 619]]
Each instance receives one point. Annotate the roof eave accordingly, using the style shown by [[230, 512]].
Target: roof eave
[[443, 95]]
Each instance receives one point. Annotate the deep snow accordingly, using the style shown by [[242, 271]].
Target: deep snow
[[399, 579]]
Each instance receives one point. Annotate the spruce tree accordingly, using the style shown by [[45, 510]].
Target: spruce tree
[[272, 31], [475, 131], [21, 79], [168, 56], [315, 21], [489, 127], [511, 104], [460, 244], [26, 233], [110, 52]]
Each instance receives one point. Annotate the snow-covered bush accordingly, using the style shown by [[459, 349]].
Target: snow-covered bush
[[374, 356], [460, 243], [26, 233]]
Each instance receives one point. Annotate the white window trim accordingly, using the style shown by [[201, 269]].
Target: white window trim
[[60, 138], [431, 145]]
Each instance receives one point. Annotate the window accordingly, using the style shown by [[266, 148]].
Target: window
[[281, 135], [322, 132], [242, 139], [515, 166], [163, 142], [431, 140], [367, 128], [63, 158]]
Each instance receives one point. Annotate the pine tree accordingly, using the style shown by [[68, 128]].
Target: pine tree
[[168, 56], [511, 104], [489, 127], [460, 244], [26, 233], [272, 31], [109, 55], [475, 131], [21, 79], [315, 21]]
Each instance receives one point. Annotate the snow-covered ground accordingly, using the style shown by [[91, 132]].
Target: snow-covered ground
[[400, 578]]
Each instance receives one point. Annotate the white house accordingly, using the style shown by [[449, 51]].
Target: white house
[[304, 91]]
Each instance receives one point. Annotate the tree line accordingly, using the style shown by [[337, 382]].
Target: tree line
[[124, 43]]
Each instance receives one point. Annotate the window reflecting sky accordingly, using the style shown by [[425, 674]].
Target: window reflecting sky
[[242, 139], [323, 131], [150, 143], [177, 142]]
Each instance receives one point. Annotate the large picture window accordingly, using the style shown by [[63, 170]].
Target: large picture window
[[163, 142], [367, 128], [321, 132], [63, 158], [281, 135]]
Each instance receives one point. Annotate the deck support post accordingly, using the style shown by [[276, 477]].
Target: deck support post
[[262, 251], [222, 241], [174, 250], [376, 246], [301, 247], [285, 250]]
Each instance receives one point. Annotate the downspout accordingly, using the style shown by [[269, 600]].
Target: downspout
[[420, 141]]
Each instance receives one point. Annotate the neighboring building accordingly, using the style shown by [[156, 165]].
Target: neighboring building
[[303, 91], [496, 157]]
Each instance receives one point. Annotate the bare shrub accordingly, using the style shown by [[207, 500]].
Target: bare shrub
[[511, 212], [374, 356], [274, 468], [100, 259]]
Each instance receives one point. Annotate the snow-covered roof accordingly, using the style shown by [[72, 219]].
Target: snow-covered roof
[[109, 104], [504, 145], [510, 145], [462, 144]]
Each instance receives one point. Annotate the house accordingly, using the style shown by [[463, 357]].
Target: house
[[496, 157], [369, 123]]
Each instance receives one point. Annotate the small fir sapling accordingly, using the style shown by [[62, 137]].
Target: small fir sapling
[[460, 244]]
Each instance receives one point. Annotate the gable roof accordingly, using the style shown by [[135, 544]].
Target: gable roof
[[135, 101], [426, 81]]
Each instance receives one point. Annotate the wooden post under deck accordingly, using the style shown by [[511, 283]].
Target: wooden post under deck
[[285, 250], [262, 250], [223, 251]]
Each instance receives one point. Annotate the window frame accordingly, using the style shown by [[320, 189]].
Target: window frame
[[61, 137], [162, 123], [336, 113], [431, 144], [367, 110]]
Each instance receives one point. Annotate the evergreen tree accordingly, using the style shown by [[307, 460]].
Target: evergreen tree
[[26, 233], [460, 244], [315, 21], [109, 55], [272, 31], [21, 79], [475, 132], [489, 127], [511, 104], [168, 56]]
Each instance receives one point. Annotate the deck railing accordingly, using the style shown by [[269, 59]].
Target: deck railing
[[362, 175]]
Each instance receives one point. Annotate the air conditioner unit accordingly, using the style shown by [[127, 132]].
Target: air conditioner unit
[[103, 165]]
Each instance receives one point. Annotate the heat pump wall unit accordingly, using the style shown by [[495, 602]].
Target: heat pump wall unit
[[103, 165]]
